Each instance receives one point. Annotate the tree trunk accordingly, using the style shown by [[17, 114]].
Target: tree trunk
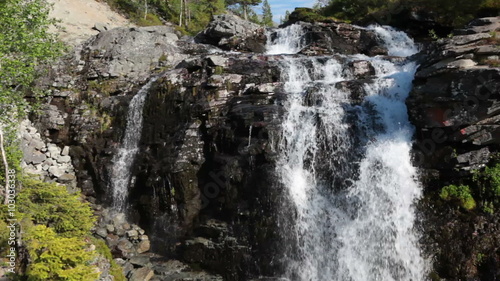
[[245, 15], [180, 13], [145, 8], [5, 165]]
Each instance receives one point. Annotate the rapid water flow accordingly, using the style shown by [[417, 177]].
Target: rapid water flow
[[124, 158], [345, 163]]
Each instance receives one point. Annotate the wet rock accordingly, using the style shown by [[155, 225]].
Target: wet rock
[[339, 38], [454, 106], [362, 69]]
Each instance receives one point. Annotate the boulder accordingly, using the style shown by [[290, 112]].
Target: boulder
[[141, 274], [140, 261], [36, 157], [56, 172], [143, 246], [125, 248], [130, 53], [339, 38], [230, 32], [362, 68], [99, 26]]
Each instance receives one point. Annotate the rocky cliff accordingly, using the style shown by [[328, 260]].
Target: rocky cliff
[[454, 106], [203, 187]]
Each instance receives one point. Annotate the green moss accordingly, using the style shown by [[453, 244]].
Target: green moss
[[117, 272], [460, 194], [105, 87], [102, 249], [149, 20]]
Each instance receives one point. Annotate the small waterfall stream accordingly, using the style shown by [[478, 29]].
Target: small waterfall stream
[[346, 166], [124, 158]]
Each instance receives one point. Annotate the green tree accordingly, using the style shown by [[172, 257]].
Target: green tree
[[25, 44], [51, 205], [54, 257], [452, 13], [267, 15]]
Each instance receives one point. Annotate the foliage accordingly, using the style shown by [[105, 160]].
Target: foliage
[[308, 15], [453, 13], [51, 205], [25, 44], [54, 257], [239, 10], [461, 194], [287, 16], [245, 6], [488, 183], [267, 15], [149, 20], [103, 250], [191, 16]]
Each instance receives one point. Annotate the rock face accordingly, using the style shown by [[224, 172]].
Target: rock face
[[131, 52], [229, 32], [46, 160], [340, 38], [455, 93], [201, 195], [454, 105]]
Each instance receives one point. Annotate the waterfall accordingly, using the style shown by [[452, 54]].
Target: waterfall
[[346, 167], [286, 40], [124, 158]]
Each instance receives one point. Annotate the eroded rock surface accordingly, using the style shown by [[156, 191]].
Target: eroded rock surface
[[454, 105]]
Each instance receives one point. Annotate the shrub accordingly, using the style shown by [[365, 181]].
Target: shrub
[[54, 257], [150, 20], [51, 205], [102, 249], [488, 183], [460, 194]]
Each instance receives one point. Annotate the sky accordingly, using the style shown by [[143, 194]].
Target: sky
[[278, 7]]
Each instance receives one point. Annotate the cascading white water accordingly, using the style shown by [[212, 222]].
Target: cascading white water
[[286, 40], [347, 169], [124, 158]]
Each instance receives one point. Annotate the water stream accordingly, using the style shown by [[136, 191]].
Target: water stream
[[346, 166], [124, 158]]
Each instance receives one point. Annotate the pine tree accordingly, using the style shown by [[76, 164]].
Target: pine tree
[[267, 15], [245, 5], [287, 16]]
